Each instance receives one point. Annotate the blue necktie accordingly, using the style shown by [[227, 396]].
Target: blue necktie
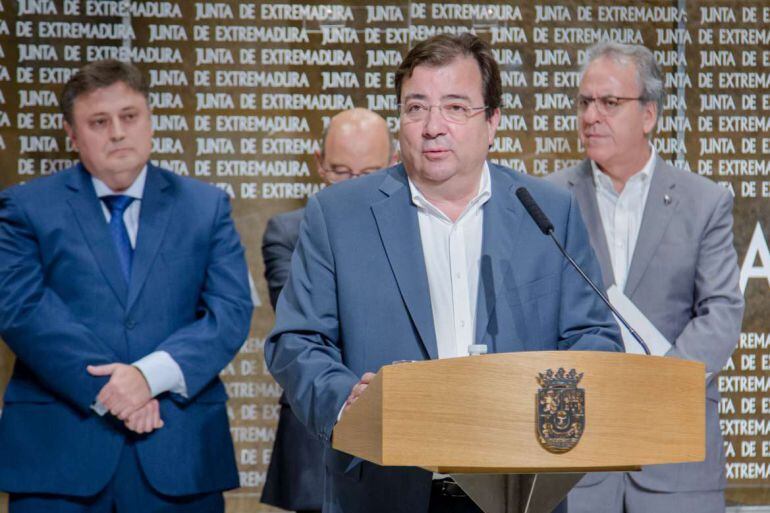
[[117, 204]]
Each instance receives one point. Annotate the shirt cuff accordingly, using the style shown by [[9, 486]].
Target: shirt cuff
[[162, 373]]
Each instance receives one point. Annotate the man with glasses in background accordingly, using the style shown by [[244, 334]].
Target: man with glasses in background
[[356, 142], [421, 260], [664, 239]]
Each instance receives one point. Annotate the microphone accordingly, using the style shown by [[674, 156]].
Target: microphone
[[545, 225], [534, 211]]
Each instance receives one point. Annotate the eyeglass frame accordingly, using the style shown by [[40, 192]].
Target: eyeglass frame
[[601, 106], [348, 174], [469, 112]]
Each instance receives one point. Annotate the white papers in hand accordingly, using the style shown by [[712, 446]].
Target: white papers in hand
[[654, 339]]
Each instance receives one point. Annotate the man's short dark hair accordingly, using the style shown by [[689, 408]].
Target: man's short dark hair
[[98, 75], [442, 49]]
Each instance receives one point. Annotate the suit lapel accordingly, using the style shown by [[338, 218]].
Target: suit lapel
[[584, 188], [88, 212], [399, 229], [503, 214], [157, 205], [657, 214]]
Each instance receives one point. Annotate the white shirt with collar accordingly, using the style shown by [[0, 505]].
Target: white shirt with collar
[[622, 213], [160, 370], [452, 253]]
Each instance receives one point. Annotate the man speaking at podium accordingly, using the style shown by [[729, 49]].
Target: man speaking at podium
[[420, 260], [123, 293]]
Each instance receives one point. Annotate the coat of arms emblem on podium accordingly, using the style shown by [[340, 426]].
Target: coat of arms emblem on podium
[[560, 410]]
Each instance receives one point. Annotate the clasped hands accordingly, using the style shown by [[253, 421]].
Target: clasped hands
[[127, 396]]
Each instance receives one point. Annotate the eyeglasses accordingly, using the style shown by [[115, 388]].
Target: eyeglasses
[[343, 172], [605, 105], [454, 112]]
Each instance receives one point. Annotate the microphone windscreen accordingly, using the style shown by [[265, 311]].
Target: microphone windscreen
[[534, 210]]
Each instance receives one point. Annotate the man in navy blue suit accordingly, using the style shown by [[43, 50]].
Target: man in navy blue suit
[[421, 260], [123, 293]]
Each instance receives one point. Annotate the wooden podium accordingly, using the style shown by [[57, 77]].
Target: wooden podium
[[477, 418]]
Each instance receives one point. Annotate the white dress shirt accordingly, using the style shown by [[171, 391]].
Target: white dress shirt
[[622, 213], [452, 253], [162, 373]]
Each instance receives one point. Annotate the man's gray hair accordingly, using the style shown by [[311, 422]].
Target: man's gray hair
[[648, 73]]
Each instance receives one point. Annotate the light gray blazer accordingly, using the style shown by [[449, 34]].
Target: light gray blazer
[[684, 278]]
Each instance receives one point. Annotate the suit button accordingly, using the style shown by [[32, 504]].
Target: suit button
[[130, 324]]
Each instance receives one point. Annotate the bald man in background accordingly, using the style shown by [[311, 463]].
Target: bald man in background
[[356, 142]]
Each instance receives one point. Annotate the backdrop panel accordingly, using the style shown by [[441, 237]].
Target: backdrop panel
[[242, 91]]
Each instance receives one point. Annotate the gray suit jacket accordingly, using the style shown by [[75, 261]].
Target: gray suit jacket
[[295, 477], [684, 278], [278, 242]]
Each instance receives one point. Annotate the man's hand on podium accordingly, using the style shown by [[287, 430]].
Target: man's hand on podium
[[358, 389]]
